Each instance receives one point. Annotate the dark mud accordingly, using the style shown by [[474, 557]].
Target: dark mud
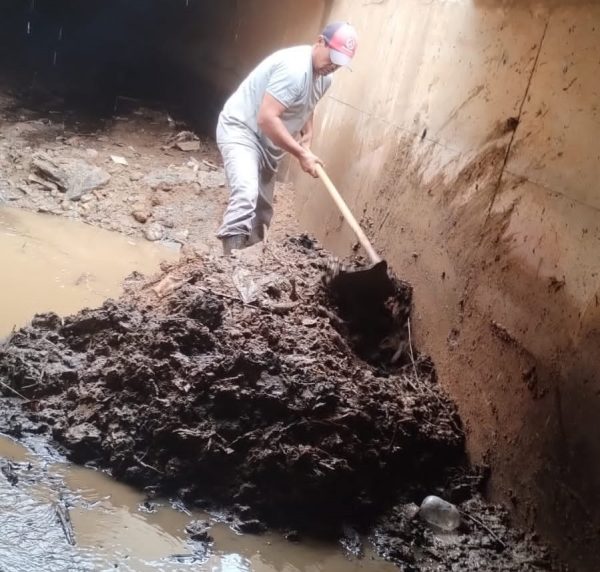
[[236, 383], [485, 539]]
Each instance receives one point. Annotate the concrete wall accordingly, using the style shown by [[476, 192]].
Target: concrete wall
[[467, 140]]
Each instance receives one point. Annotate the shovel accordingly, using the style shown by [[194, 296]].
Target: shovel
[[365, 286]]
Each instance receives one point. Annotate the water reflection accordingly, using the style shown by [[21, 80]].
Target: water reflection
[[115, 531]]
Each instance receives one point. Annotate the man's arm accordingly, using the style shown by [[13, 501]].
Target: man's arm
[[270, 123]]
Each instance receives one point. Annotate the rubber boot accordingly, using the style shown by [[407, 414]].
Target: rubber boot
[[234, 242]]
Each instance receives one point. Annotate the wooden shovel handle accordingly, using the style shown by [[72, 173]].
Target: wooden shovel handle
[[347, 214]]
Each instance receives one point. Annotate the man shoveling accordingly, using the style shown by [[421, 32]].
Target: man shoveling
[[272, 113]]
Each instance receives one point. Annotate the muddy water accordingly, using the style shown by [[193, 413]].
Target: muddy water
[[51, 263], [115, 530]]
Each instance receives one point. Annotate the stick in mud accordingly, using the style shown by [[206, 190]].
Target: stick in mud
[[146, 464], [62, 512], [13, 390], [485, 527]]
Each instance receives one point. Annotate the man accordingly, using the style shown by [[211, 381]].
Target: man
[[272, 113]]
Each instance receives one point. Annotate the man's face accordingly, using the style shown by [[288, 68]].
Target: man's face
[[322, 63]]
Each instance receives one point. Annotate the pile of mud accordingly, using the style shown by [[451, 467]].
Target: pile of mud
[[235, 382], [232, 380]]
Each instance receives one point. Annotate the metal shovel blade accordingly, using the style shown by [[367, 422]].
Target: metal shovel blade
[[366, 286]]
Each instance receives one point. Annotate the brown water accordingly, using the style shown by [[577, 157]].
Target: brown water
[[114, 531], [50, 263]]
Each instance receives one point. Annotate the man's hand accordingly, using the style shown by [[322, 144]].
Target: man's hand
[[309, 162]]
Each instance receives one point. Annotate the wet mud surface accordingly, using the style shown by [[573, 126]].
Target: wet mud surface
[[235, 382]]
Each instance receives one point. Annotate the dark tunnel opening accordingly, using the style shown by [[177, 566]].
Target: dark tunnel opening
[[94, 57]]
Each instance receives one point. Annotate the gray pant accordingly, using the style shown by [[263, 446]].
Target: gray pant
[[251, 184]]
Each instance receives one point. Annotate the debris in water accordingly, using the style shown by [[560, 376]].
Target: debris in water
[[62, 513], [9, 472], [199, 530]]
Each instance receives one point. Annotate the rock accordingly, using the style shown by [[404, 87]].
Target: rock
[[83, 441], [136, 176], [91, 153], [154, 232], [119, 160], [42, 182], [87, 198], [141, 215], [8, 195], [185, 141], [199, 530], [352, 542], [148, 507], [244, 511], [194, 164], [182, 235], [188, 145], [75, 177], [252, 526], [168, 178], [49, 321], [410, 510], [211, 179], [292, 536]]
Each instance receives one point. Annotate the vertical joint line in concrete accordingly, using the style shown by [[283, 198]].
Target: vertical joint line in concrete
[[510, 144]]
